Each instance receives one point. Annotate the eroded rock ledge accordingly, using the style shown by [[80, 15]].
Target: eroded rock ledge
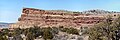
[[46, 18]]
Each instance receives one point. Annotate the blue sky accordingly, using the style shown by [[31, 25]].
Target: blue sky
[[10, 10]]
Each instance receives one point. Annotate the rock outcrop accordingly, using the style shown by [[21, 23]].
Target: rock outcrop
[[49, 18]]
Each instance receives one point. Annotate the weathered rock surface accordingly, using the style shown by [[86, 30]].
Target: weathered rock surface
[[47, 18]]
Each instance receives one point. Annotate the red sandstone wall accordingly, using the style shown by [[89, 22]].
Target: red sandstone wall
[[42, 18]]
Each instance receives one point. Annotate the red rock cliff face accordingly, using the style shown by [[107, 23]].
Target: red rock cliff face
[[38, 17]]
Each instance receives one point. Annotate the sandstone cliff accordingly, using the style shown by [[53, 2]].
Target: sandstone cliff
[[50, 18]]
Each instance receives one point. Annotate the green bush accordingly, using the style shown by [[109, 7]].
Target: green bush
[[70, 30]]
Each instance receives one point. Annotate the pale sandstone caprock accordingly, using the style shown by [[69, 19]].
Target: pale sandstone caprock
[[43, 18]]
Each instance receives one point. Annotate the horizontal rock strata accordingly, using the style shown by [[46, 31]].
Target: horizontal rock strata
[[46, 18]]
